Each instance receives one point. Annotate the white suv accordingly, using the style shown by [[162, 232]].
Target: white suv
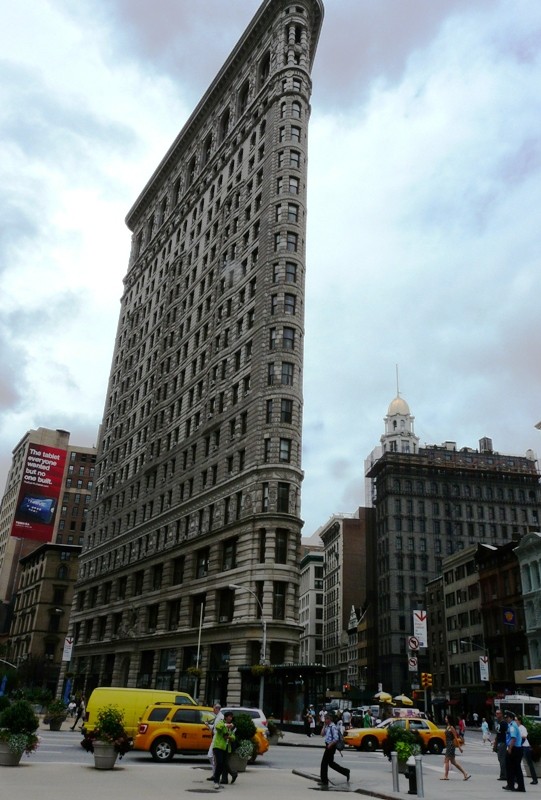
[[259, 718]]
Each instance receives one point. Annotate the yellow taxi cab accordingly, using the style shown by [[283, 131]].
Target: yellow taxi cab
[[432, 738], [166, 730]]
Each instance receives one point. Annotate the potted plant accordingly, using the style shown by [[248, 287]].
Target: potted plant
[[534, 736], [245, 749], [403, 742], [275, 733], [107, 740], [18, 725], [55, 714]]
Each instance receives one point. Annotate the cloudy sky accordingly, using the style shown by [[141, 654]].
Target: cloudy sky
[[424, 234]]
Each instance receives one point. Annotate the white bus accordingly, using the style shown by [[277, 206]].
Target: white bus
[[521, 705]]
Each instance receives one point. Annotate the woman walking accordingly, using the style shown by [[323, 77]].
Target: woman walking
[[451, 741]]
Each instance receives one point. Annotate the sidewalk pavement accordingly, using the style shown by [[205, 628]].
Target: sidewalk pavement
[[146, 781]]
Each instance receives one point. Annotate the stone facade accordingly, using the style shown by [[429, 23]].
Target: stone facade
[[528, 553], [429, 505], [199, 468]]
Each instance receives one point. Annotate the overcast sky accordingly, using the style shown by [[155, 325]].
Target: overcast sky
[[424, 198]]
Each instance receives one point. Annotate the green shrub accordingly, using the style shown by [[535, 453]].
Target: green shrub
[[19, 717], [244, 726]]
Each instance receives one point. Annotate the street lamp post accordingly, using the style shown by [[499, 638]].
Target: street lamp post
[[485, 651], [263, 653]]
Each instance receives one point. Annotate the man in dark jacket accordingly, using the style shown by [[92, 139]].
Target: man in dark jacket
[[500, 745]]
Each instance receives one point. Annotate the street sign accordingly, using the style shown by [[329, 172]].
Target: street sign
[[412, 664], [483, 668], [413, 643], [419, 627], [68, 647]]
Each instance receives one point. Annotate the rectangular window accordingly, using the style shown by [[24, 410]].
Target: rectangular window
[[265, 497], [229, 554], [178, 570], [173, 614], [286, 410], [289, 303], [285, 450], [279, 600], [283, 498], [152, 617], [288, 339], [262, 545], [202, 563], [287, 373], [198, 610], [292, 212], [280, 550]]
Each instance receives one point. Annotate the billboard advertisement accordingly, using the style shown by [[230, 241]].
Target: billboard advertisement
[[39, 494]]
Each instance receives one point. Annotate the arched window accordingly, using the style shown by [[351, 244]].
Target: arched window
[[264, 69], [224, 124], [244, 94]]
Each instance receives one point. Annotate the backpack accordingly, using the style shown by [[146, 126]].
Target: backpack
[[340, 744]]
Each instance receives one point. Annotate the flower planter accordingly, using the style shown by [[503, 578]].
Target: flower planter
[[9, 757], [105, 755], [237, 763], [55, 724]]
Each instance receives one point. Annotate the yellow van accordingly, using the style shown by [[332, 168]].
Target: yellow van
[[132, 702]]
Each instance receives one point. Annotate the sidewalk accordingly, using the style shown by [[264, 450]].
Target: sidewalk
[[371, 776]]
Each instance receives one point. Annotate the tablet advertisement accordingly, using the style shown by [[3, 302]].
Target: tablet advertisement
[[40, 492]]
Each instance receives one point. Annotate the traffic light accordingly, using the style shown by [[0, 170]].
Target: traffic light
[[426, 679]]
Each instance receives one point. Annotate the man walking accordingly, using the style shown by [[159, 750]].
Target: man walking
[[330, 732]]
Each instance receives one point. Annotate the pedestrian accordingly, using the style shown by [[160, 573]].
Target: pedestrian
[[475, 719], [462, 727], [485, 731], [367, 719], [500, 746], [309, 722], [330, 731], [346, 719], [527, 750], [81, 708], [513, 756], [224, 737], [71, 708], [451, 743], [212, 725], [322, 719]]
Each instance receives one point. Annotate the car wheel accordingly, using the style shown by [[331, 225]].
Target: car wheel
[[163, 749], [435, 746], [369, 743]]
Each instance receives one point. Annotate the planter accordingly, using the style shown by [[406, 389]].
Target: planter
[[9, 758], [55, 724], [237, 763], [105, 755]]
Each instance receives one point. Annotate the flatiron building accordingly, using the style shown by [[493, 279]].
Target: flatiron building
[[198, 474]]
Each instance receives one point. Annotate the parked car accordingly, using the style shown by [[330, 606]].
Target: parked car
[[258, 716], [132, 703], [167, 729], [432, 738]]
